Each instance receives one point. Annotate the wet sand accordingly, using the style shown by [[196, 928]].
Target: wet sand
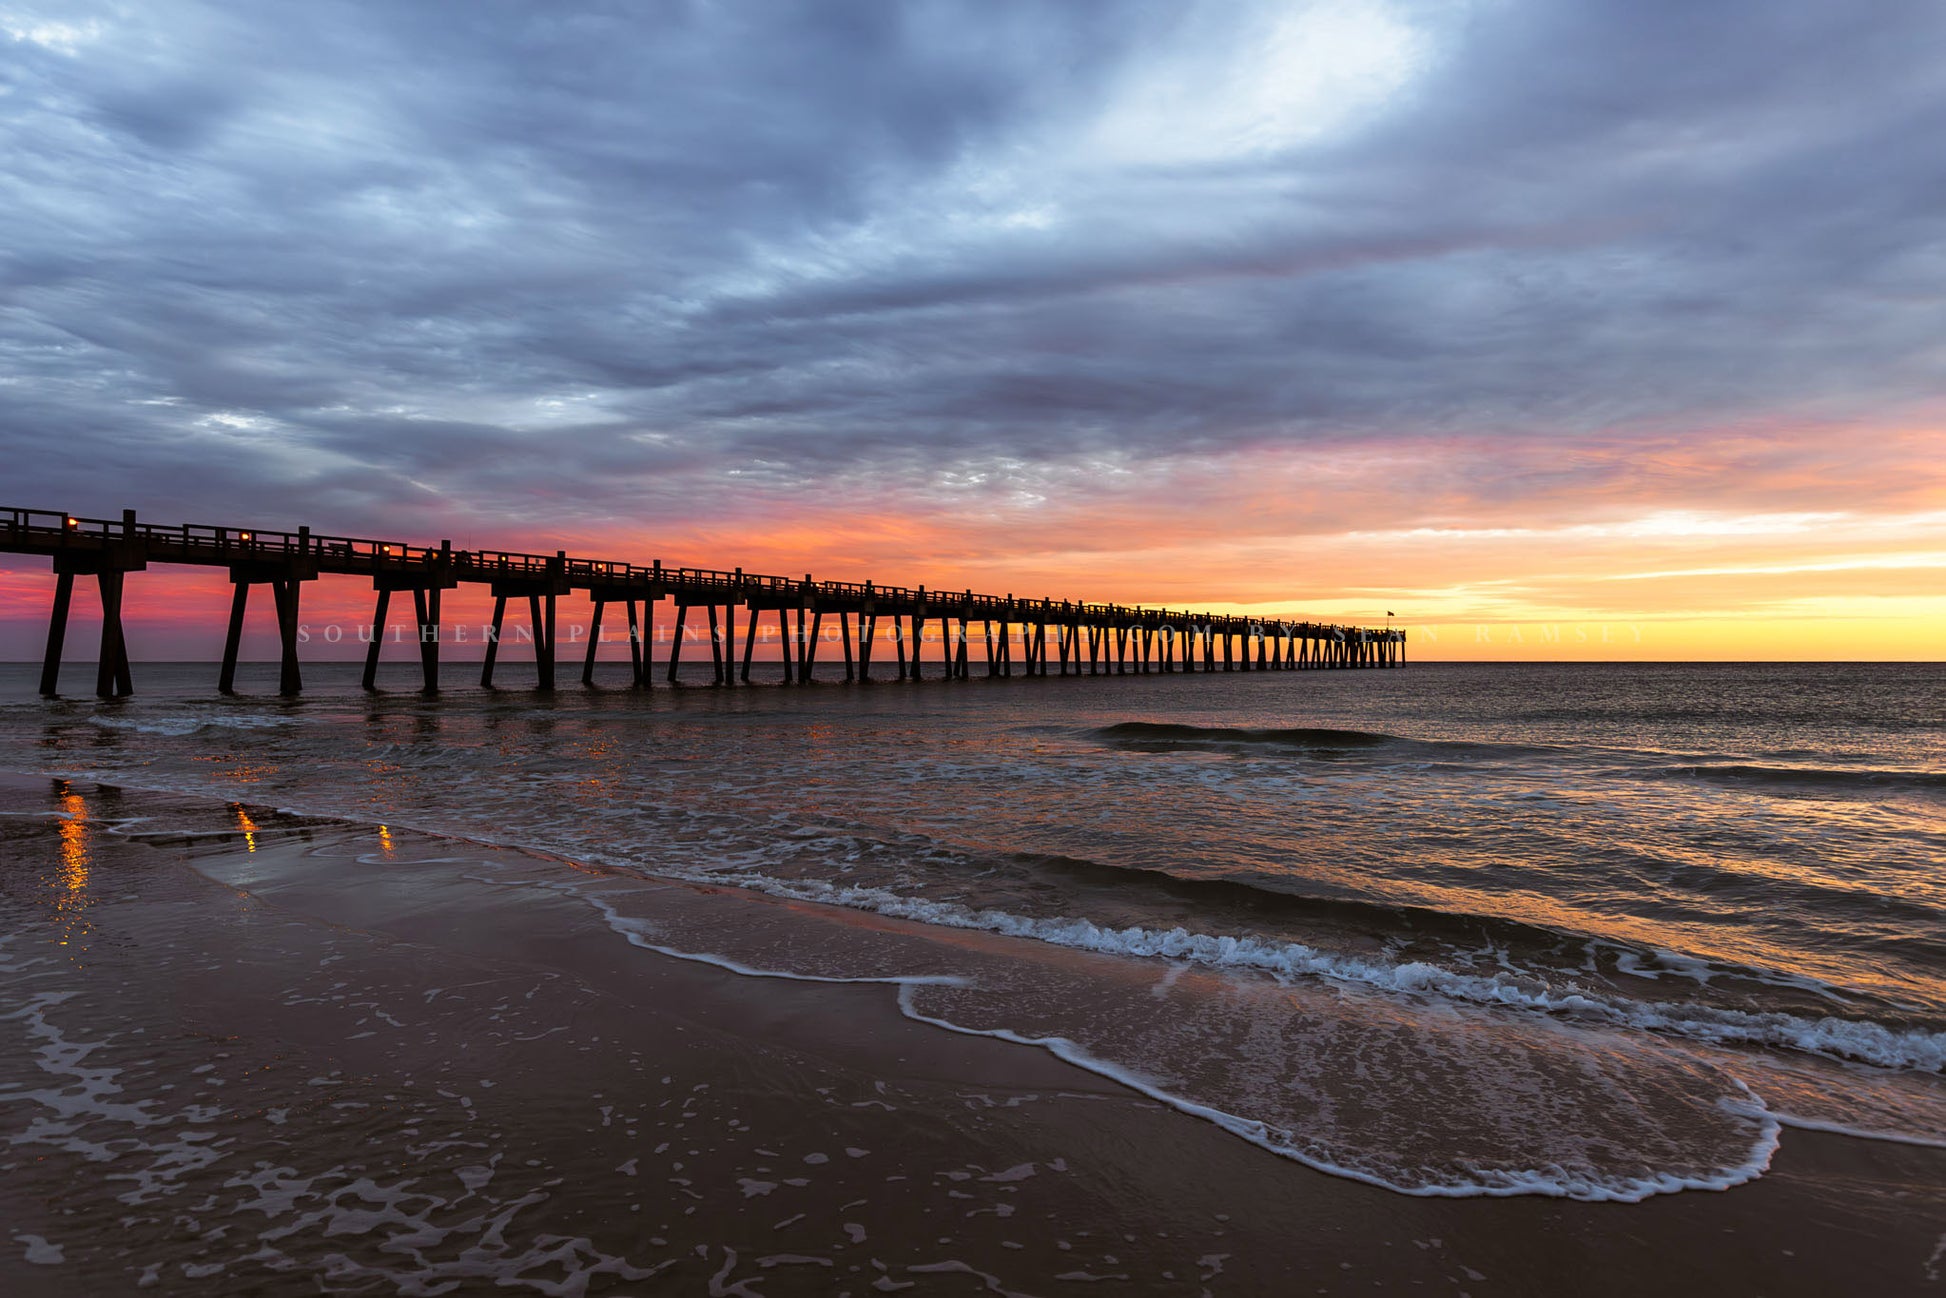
[[246, 1053]]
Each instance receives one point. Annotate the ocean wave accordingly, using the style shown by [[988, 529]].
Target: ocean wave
[[1162, 737], [1847, 779], [1170, 736], [1333, 1151], [184, 724], [1554, 1181], [1251, 898], [1861, 1040], [1293, 737]]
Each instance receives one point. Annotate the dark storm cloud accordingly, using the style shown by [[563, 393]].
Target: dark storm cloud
[[342, 257]]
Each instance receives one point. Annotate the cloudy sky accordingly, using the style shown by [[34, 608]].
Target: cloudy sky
[[1503, 315]]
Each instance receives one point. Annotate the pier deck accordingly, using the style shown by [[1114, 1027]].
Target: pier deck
[[1087, 639]]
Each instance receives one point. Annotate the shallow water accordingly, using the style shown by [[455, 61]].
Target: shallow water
[[1593, 931]]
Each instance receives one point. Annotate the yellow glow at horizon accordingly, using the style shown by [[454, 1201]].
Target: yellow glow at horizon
[[1781, 570], [1834, 639]]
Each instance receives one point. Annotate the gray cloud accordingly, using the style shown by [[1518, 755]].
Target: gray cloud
[[336, 258]]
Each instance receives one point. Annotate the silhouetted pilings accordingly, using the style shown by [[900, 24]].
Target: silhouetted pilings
[[1106, 639]]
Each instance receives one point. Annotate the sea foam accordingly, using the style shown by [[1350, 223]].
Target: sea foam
[[1856, 1039]]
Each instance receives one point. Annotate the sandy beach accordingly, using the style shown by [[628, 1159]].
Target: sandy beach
[[254, 1053], [951, 647]]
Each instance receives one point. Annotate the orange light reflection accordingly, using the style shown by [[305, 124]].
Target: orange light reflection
[[247, 825], [71, 883]]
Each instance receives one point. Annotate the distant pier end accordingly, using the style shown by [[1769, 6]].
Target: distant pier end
[[1087, 639]]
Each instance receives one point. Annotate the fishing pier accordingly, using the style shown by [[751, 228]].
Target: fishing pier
[[1078, 638]]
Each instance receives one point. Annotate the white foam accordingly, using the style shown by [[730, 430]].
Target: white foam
[[1671, 964], [1862, 1040], [1553, 1182], [184, 724], [636, 932], [1860, 1132]]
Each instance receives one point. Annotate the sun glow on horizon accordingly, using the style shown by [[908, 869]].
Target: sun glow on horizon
[[1726, 547]]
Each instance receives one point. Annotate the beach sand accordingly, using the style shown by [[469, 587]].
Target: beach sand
[[242, 1052]]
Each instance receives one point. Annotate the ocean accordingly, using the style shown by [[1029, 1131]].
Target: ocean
[[1588, 931]]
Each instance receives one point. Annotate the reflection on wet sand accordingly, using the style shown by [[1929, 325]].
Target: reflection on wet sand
[[71, 880], [246, 825]]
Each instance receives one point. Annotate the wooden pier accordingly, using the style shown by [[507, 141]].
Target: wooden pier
[[1078, 638]]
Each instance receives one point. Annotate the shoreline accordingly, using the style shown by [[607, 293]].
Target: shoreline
[[951, 1114]]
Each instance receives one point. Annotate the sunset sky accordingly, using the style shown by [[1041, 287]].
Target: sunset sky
[[1578, 329]]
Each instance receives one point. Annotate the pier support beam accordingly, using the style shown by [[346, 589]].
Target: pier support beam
[[594, 640], [601, 596], [111, 670], [233, 641], [492, 645], [112, 679], [807, 660], [425, 610], [639, 677], [378, 638], [716, 647], [675, 640], [425, 588], [113, 557], [289, 679], [749, 646], [539, 623], [57, 634]]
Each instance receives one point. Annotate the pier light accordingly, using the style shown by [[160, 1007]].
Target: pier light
[[385, 549], [73, 522], [243, 536]]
